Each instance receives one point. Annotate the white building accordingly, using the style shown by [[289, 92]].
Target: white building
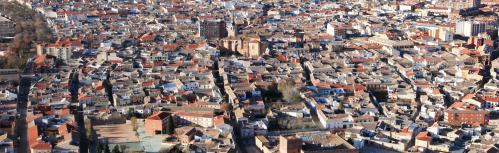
[[337, 121], [469, 28], [61, 52], [445, 35], [204, 119], [7, 95], [330, 29]]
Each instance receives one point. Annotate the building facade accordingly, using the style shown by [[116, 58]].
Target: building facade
[[469, 28], [459, 4], [7, 27], [290, 144], [470, 117], [212, 29], [155, 123], [204, 119]]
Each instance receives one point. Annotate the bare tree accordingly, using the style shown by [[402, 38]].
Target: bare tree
[[289, 90]]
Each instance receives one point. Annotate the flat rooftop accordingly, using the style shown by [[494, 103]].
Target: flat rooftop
[[116, 133], [4, 19]]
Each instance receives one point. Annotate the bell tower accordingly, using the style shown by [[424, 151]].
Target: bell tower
[[231, 28]]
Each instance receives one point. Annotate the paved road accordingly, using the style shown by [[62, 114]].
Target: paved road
[[21, 131], [313, 111], [374, 149], [78, 112], [249, 146]]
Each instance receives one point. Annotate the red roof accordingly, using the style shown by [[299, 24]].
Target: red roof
[[41, 85], [158, 116], [116, 61], [217, 120], [423, 84], [147, 84], [158, 63], [147, 65], [195, 46], [147, 37], [468, 96], [282, 58], [206, 17], [436, 92], [423, 136], [170, 47], [64, 112], [40, 59], [491, 99], [304, 14], [356, 86], [462, 105], [362, 60], [32, 135], [41, 146], [99, 88], [405, 131], [195, 114]]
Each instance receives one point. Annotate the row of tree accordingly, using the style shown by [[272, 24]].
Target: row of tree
[[104, 148], [30, 27], [170, 126]]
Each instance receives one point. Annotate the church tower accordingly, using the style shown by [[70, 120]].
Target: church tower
[[231, 28]]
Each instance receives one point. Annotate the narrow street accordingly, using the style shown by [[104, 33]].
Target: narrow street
[[21, 125], [21, 129], [219, 83], [410, 82], [313, 111], [78, 111]]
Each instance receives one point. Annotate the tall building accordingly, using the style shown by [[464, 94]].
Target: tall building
[[330, 29], [155, 123], [470, 117], [62, 48], [231, 28], [289, 144], [248, 46], [458, 4], [490, 2], [469, 28], [7, 27], [441, 34], [465, 113], [212, 29]]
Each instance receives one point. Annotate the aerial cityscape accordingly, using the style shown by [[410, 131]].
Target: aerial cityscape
[[249, 76]]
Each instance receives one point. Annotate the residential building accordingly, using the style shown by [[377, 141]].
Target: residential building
[[290, 144], [469, 28], [156, 123]]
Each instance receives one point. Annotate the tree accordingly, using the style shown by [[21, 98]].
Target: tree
[[90, 131], [273, 124], [28, 27], [174, 149], [106, 148], [100, 148], [341, 105], [170, 125], [130, 113], [133, 121], [123, 148], [164, 150], [288, 90], [116, 149], [109, 88], [226, 107]]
